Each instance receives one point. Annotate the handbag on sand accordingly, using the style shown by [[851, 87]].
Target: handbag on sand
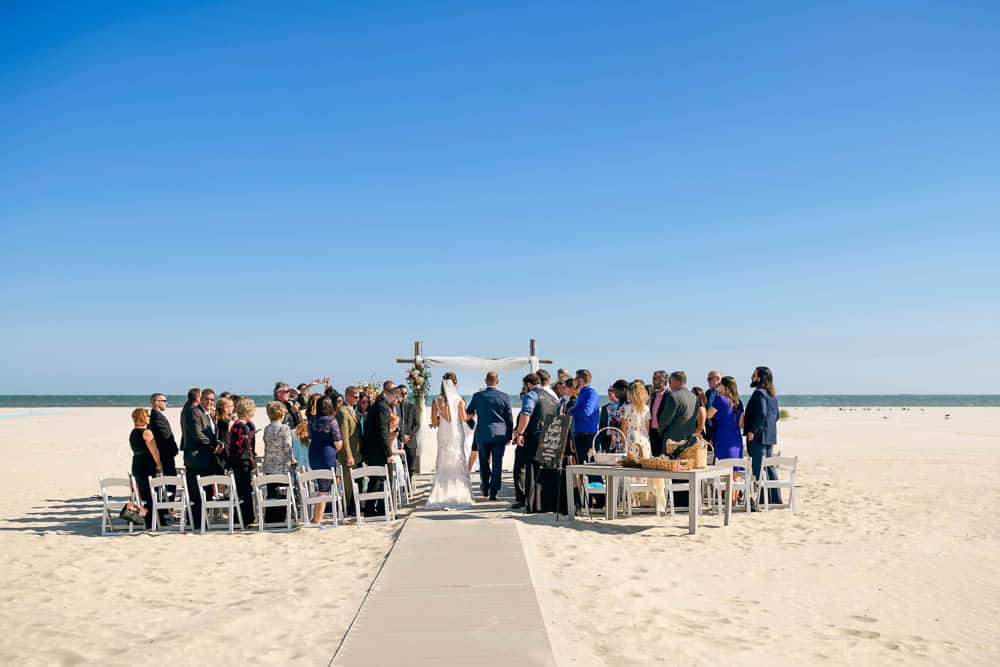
[[133, 513]]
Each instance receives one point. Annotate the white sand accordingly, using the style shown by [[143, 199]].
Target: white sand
[[893, 557], [70, 596]]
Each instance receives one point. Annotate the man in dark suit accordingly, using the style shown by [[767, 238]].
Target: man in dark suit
[[678, 415], [200, 444], [377, 445], [655, 403], [494, 427], [163, 435], [760, 425], [408, 428]]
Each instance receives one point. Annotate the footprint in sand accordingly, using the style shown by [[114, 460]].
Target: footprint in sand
[[865, 619], [863, 634]]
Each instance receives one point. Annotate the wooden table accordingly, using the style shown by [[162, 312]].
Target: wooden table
[[693, 477]]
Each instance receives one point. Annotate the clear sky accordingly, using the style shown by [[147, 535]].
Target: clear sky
[[204, 194]]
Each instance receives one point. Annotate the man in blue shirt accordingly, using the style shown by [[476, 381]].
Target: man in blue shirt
[[494, 426], [586, 414]]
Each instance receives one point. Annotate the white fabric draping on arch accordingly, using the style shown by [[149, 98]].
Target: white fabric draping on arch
[[478, 363]]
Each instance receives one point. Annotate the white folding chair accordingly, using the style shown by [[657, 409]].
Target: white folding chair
[[181, 501], [259, 484], [744, 482], [230, 501], [114, 502], [764, 484], [403, 479], [368, 473], [310, 496]]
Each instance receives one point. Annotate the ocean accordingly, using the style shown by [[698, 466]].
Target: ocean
[[785, 400]]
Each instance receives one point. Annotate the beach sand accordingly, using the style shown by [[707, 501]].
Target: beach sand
[[893, 557], [70, 596]]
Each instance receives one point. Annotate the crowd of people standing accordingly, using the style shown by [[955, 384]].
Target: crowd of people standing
[[327, 429], [318, 430], [647, 415]]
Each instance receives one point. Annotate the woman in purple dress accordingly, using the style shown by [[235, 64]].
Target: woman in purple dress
[[324, 442], [727, 412]]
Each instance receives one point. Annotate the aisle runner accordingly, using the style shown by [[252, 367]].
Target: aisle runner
[[455, 591]]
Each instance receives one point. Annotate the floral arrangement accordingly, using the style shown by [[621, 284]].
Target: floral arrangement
[[419, 381]]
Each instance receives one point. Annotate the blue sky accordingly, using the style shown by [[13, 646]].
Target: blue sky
[[199, 193]]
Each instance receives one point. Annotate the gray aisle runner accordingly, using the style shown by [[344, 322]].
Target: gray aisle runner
[[454, 591]]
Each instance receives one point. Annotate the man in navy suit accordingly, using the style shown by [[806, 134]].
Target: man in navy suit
[[494, 426]]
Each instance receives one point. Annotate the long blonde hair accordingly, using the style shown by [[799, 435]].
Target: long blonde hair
[[637, 395]]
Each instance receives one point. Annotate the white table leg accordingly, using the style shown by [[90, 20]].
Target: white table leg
[[570, 504], [694, 502]]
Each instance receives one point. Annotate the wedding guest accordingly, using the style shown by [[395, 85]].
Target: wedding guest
[[293, 417], [615, 443], [677, 418], [761, 426], [166, 445], [525, 448], [699, 394], [208, 405], [714, 379], [324, 443], [303, 394], [278, 457], [635, 422], [224, 409], [726, 412], [376, 445], [349, 456], [656, 401], [563, 375], [604, 439], [586, 414], [200, 445], [408, 429], [543, 382], [193, 398], [145, 459], [678, 415], [567, 395], [242, 457]]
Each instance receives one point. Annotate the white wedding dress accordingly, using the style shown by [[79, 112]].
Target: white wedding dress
[[451, 481]]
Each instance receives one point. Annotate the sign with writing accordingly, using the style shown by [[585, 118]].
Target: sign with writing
[[550, 448]]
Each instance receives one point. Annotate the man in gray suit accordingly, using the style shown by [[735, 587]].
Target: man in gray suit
[[678, 416]]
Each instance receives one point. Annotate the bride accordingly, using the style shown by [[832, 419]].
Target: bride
[[451, 481]]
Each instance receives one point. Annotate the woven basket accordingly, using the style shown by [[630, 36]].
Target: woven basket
[[697, 453], [673, 465]]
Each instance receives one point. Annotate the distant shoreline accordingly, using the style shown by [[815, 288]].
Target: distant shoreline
[[785, 400]]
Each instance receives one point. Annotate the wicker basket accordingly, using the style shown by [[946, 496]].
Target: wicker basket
[[697, 453], [673, 465]]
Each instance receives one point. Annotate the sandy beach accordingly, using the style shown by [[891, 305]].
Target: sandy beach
[[891, 558], [73, 597]]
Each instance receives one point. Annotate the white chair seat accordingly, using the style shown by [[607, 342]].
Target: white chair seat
[[181, 501], [365, 472], [260, 483], [228, 501]]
